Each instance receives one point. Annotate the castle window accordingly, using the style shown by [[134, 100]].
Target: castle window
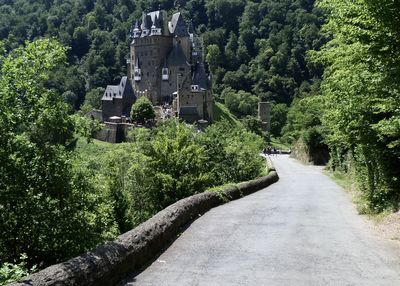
[[165, 74], [182, 69], [137, 76], [195, 88]]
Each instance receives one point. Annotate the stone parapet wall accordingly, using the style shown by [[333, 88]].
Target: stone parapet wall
[[110, 263]]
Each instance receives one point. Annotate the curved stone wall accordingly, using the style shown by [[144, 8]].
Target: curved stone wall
[[108, 264]]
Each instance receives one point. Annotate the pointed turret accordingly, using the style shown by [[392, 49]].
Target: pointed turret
[[156, 27], [145, 25], [177, 26], [136, 30], [190, 28]]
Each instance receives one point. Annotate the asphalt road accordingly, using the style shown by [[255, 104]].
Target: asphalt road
[[300, 231]]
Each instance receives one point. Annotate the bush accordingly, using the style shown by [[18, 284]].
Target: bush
[[50, 207], [11, 272], [142, 110], [233, 153]]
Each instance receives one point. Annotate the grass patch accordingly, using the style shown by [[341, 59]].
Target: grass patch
[[93, 148], [349, 184], [278, 144], [218, 190], [221, 112], [93, 154]]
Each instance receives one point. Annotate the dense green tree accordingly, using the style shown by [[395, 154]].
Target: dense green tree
[[255, 125], [232, 152], [93, 98], [142, 110], [361, 95], [50, 208], [278, 118], [240, 103], [213, 57]]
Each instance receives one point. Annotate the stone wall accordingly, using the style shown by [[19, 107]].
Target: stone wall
[[112, 132], [110, 263], [111, 108]]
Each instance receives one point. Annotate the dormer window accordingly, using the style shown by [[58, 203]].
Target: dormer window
[[136, 34], [145, 33], [165, 74], [195, 88], [155, 31], [137, 75]]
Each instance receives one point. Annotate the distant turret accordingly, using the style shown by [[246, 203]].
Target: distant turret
[[145, 25], [136, 30], [156, 27], [190, 29]]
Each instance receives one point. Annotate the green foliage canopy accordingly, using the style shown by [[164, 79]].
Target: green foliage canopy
[[142, 110], [50, 210], [361, 94]]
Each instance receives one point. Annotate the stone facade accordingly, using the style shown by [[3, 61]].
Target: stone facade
[[118, 99], [165, 65]]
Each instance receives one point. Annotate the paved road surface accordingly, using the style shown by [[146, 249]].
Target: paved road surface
[[301, 231]]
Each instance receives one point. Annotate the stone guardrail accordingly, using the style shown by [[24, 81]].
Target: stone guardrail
[[110, 263]]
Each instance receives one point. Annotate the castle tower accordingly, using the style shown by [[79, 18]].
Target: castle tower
[[264, 114], [178, 28], [152, 48]]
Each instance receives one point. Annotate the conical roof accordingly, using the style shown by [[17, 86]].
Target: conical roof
[[178, 25]]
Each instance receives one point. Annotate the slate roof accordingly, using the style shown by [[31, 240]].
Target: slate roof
[[156, 18], [177, 26], [200, 77], [177, 57], [136, 27], [118, 91], [146, 22]]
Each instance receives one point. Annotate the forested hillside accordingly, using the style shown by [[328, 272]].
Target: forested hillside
[[254, 46]]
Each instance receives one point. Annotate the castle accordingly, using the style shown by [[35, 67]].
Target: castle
[[166, 65]]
